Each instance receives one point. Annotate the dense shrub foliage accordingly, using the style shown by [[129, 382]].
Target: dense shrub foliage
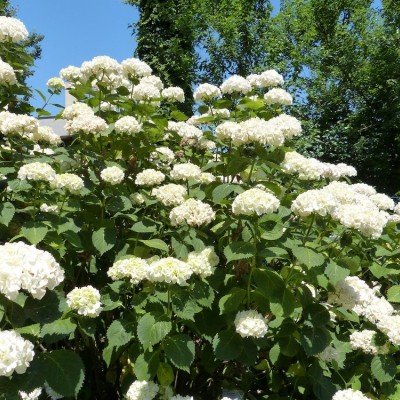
[[161, 257]]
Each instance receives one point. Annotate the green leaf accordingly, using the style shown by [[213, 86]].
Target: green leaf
[[146, 225], [383, 368], [231, 301], [120, 332], [335, 272], [180, 350], [222, 192], [35, 232], [308, 257], [64, 371], [227, 345], [239, 251], [156, 244], [7, 211], [104, 240], [314, 339], [146, 365], [393, 294], [57, 330], [272, 286], [152, 330], [165, 374], [118, 204]]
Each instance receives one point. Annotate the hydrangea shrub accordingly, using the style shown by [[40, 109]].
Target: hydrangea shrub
[[165, 256]]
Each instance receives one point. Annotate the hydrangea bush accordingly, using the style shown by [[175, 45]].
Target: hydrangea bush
[[165, 256]]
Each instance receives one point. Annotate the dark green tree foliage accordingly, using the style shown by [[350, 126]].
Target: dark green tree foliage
[[166, 41], [21, 56], [342, 58], [233, 37]]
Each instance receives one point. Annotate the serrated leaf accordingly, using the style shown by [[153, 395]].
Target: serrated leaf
[[64, 371], [120, 332], [156, 244], [231, 301], [165, 374], [7, 211], [314, 339], [35, 232], [146, 365], [152, 330], [383, 368], [57, 330], [335, 272], [308, 256], [227, 345], [239, 251], [104, 240], [180, 350], [393, 294]]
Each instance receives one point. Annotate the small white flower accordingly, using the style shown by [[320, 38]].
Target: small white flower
[[85, 301], [251, 324], [112, 175]]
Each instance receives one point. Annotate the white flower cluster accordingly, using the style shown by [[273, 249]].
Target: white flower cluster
[[128, 125], [235, 84], [135, 68], [278, 96], [145, 92], [185, 171], [206, 92], [12, 29], [179, 397], [251, 324], [188, 131], [71, 74], [256, 130], [75, 110], [71, 182], [103, 68], [153, 80], [112, 175], [313, 169], [255, 202], [55, 84], [86, 123], [193, 212], [85, 301], [347, 204], [364, 340], [24, 267], [169, 270], [49, 209], [34, 395], [149, 177], [354, 294], [349, 394], [203, 262], [37, 171], [269, 78], [16, 353], [162, 157], [7, 74], [173, 94], [133, 268], [16, 124], [142, 390], [46, 134], [207, 177], [170, 194]]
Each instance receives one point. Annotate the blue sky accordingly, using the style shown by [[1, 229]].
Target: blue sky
[[75, 31]]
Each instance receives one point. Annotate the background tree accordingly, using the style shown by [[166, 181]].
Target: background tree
[[21, 56], [166, 36]]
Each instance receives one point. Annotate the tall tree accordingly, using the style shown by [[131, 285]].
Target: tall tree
[[233, 37], [166, 36], [21, 56]]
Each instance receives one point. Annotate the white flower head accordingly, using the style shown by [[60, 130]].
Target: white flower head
[[149, 177], [251, 324], [255, 202], [142, 390], [192, 212], [85, 301], [16, 353], [112, 175]]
